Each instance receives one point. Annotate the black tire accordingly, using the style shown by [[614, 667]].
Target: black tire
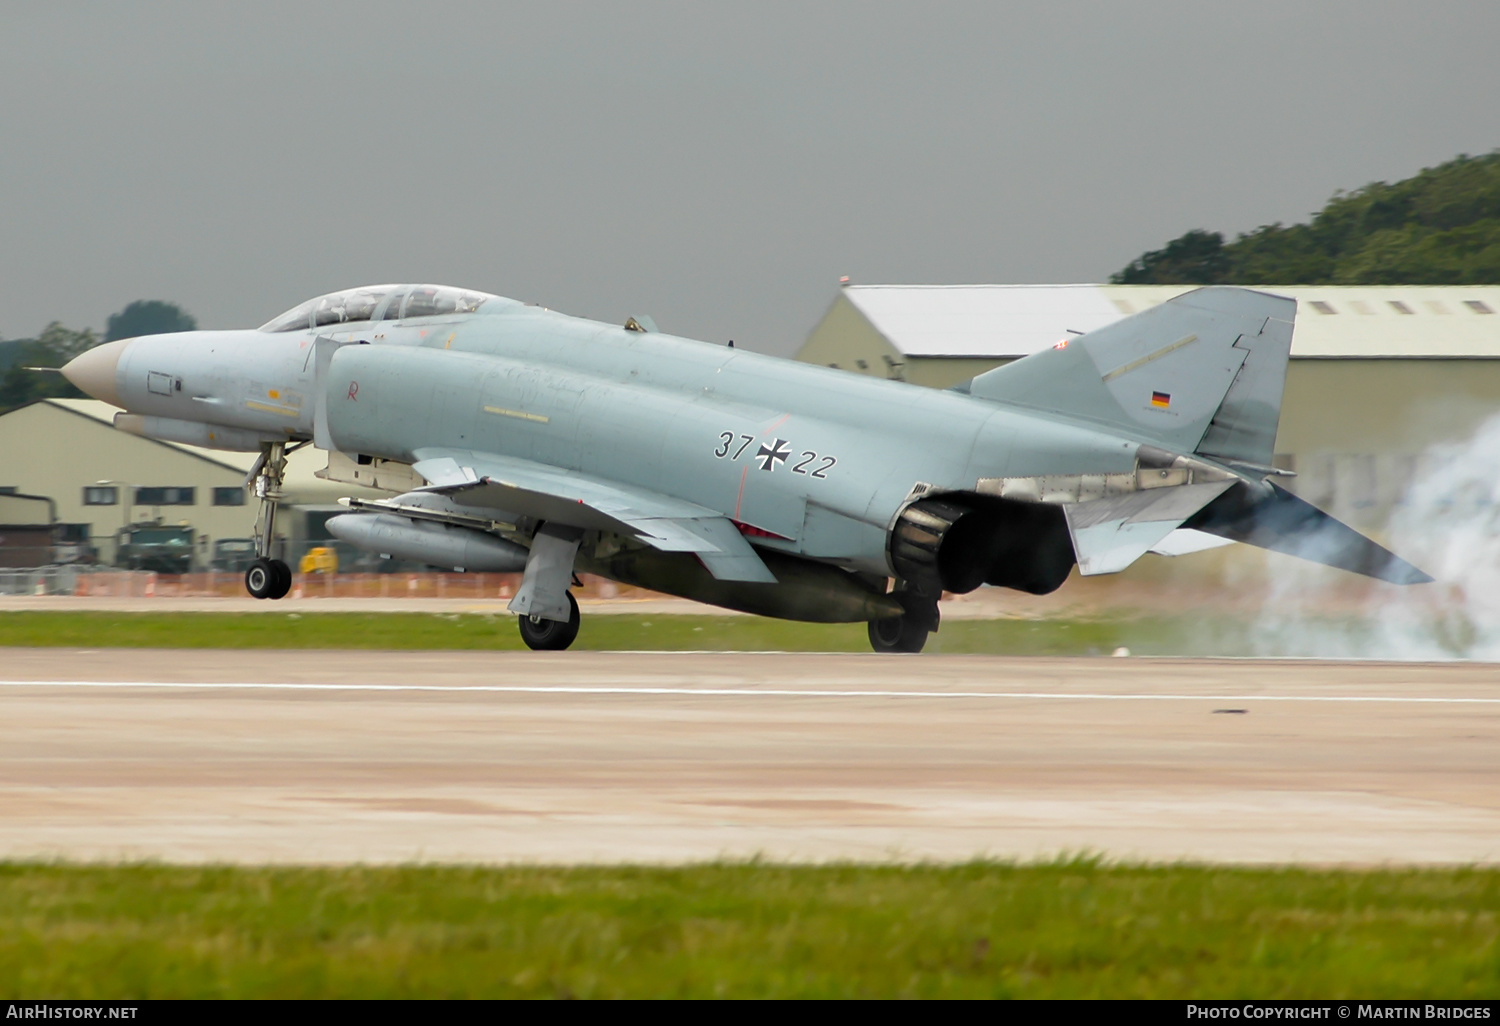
[[261, 578], [283, 579], [551, 635], [897, 634]]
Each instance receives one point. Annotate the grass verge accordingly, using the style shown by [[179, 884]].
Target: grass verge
[[614, 632], [1068, 929]]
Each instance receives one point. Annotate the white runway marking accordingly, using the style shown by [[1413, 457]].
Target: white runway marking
[[738, 692]]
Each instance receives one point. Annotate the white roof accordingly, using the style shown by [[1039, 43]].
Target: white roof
[[1412, 321]]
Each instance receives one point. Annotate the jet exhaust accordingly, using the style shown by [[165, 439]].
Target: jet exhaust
[[959, 542]]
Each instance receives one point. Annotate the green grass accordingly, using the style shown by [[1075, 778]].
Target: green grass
[[1069, 929], [615, 632]]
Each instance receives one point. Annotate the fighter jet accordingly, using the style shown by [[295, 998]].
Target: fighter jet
[[512, 438]]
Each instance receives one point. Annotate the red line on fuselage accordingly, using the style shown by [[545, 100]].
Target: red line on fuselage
[[744, 473], [751, 531]]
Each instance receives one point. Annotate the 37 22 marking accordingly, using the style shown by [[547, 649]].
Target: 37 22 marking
[[772, 455]]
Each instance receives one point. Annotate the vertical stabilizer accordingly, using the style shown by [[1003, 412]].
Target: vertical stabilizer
[[1200, 373]]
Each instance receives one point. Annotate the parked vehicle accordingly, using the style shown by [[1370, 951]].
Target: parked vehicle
[[167, 550], [233, 555], [72, 544], [319, 560]]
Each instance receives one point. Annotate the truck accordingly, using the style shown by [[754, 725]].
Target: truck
[[233, 555], [167, 550]]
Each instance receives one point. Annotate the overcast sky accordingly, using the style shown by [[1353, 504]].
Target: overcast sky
[[716, 166]]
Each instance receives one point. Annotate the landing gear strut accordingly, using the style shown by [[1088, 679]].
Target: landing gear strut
[[907, 632], [267, 577]]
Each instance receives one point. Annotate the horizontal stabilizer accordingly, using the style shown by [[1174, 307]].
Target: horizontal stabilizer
[[1185, 542], [1284, 523], [1109, 534]]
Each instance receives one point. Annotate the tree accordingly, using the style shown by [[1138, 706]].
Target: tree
[[1195, 258], [1441, 226], [148, 317], [55, 346]]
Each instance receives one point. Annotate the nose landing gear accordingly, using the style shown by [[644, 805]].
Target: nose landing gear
[[268, 578]]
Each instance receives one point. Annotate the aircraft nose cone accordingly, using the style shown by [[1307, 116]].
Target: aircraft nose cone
[[94, 372]]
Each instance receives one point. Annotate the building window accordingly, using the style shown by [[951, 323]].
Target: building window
[[101, 495], [229, 496], [1479, 306], [165, 497]]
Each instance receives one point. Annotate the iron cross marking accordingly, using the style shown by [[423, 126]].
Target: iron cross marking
[[772, 454]]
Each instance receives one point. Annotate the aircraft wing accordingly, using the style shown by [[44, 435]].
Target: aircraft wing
[[549, 493]]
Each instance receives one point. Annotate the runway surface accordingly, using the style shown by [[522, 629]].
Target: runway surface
[[193, 756]]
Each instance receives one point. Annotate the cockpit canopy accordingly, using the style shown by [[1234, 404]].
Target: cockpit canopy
[[378, 303]]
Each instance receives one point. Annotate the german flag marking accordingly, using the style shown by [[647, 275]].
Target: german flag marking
[[1161, 400]]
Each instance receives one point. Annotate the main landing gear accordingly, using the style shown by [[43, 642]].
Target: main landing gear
[[907, 632], [551, 635], [268, 578], [546, 610]]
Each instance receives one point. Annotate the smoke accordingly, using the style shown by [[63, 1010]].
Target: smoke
[[1448, 524]]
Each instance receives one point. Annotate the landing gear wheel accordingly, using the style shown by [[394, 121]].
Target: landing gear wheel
[[283, 579], [897, 634], [551, 635], [261, 578]]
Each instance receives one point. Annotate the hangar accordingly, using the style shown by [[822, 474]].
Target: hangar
[[100, 480], [28, 526], [1379, 374]]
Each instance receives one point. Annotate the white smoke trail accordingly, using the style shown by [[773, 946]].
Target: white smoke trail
[[1448, 524]]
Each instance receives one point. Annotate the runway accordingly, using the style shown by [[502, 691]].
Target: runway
[[254, 756]]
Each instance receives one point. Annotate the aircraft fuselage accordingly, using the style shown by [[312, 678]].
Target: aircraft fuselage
[[813, 461]]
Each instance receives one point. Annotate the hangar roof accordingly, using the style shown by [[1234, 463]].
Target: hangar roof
[[16, 510], [300, 481], [1333, 321]]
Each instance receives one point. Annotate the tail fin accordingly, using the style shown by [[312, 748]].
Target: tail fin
[[1200, 373]]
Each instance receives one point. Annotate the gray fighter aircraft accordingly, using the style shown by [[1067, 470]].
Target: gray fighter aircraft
[[518, 439]]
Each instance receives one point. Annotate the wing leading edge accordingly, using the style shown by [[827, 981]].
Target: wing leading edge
[[552, 494]]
